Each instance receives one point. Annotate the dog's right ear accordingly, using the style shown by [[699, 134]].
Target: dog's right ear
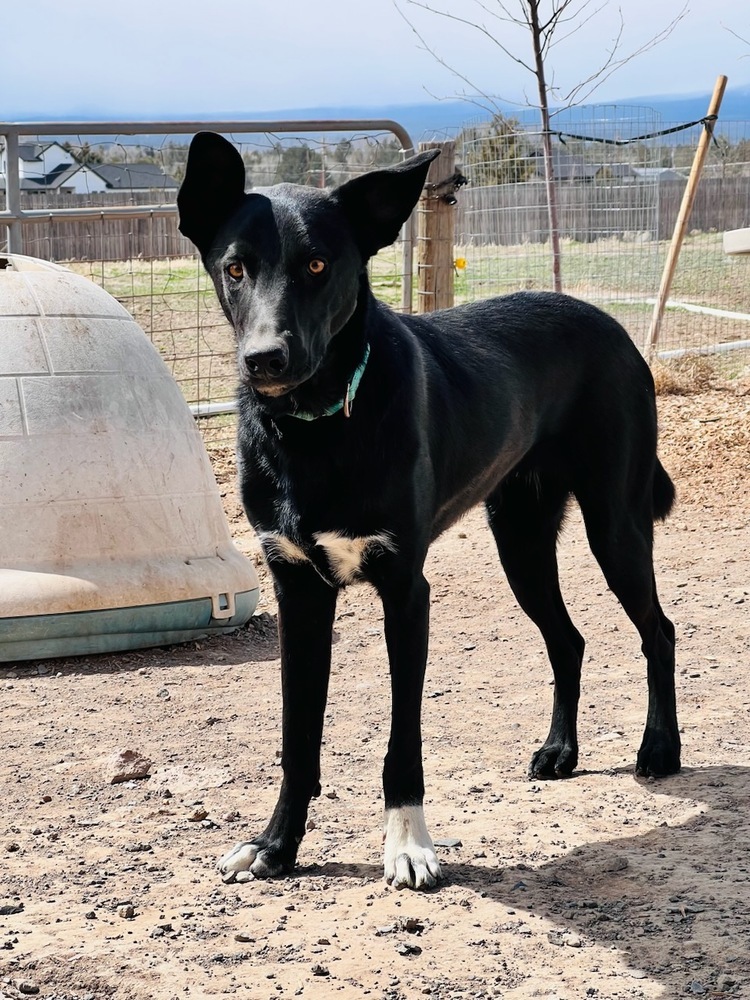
[[213, 188]]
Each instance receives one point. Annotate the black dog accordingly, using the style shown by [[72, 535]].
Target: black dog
[[363, 434]]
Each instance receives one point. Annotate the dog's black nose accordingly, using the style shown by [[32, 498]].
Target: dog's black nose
[[267, 365]]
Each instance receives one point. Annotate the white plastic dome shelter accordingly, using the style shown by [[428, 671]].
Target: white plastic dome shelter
[[112, 532]]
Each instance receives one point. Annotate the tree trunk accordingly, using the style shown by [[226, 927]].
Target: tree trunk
[[549, 170]]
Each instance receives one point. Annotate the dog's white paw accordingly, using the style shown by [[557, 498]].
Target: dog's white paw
[[410, 859], [240, 859]]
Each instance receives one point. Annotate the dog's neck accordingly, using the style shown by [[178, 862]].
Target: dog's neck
[[330, 392]]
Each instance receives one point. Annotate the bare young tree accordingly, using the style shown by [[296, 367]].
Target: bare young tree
[[548, 24]]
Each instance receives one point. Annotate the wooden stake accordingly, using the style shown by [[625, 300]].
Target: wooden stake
[[682, 218]]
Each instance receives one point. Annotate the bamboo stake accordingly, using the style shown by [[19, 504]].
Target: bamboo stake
[[683, 216]]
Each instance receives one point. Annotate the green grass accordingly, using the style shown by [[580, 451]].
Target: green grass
[[174, 301]]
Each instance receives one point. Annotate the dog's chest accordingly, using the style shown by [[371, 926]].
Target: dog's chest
[[336, 556]]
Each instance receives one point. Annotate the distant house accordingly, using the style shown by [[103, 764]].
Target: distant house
[[622, 173], [134, 176], [572, 169], [660, 174], [50, 167], [567, 167]]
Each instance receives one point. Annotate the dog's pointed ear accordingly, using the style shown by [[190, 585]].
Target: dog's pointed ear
[[213, 188], [377, 204]]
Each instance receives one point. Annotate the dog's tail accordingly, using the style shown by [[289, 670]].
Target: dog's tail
[[664, 492]]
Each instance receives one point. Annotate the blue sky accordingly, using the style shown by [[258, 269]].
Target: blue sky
[[197, 57]]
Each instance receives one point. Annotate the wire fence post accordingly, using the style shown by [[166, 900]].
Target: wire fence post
[[435, 224], [684, 215]]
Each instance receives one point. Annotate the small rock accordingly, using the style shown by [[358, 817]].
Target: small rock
[[27, 988], [198, 815], [8, 909], [411, 925], [571, 940], [697, 989], [244, 877], [310, 825], [127, 765], [618, 864], [332, 794], [408, 949], [12, 846], [91, 915], [320, 970], [323, 941], [725, 983], [244, 938], [127, 911], [448, 842]]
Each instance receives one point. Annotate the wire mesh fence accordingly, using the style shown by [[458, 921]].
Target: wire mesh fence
[[618, 201], [104, 205]]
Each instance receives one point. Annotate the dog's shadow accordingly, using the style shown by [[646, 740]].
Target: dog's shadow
[[674, 902]]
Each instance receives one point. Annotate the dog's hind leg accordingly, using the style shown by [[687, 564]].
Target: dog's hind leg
[[620, 533], [525, 514], [409, 855], [307, 606]]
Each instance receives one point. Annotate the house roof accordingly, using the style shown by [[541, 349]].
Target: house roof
[[659, 173], [133, 175], [30, 151], [567, 166]]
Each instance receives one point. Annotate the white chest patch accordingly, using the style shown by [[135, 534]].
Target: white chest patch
[[345, 555]]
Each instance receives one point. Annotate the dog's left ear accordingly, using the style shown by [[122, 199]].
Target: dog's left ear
[[379, 203], [213, 188]]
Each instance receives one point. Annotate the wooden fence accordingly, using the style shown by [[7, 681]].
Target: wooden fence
[[516, 213], [503, 215], [99, 237]]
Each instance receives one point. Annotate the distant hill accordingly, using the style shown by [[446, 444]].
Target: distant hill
[[443, 119]]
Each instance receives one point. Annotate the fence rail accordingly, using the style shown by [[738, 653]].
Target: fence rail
[[15, 216]]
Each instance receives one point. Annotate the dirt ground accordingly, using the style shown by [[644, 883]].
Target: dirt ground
[[599, 886]]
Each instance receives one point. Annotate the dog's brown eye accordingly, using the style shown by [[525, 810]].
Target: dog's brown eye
[[235, 271], [316, 266]]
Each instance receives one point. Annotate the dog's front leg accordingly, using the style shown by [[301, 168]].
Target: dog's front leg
[[410, 859], [307, 608]]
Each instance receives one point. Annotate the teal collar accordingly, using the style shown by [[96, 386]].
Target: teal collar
[[344, 404]]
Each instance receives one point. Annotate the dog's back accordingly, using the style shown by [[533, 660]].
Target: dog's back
[[534, 382]]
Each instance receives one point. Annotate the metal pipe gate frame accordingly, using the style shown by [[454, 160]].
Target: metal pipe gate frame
[[13, 215]]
